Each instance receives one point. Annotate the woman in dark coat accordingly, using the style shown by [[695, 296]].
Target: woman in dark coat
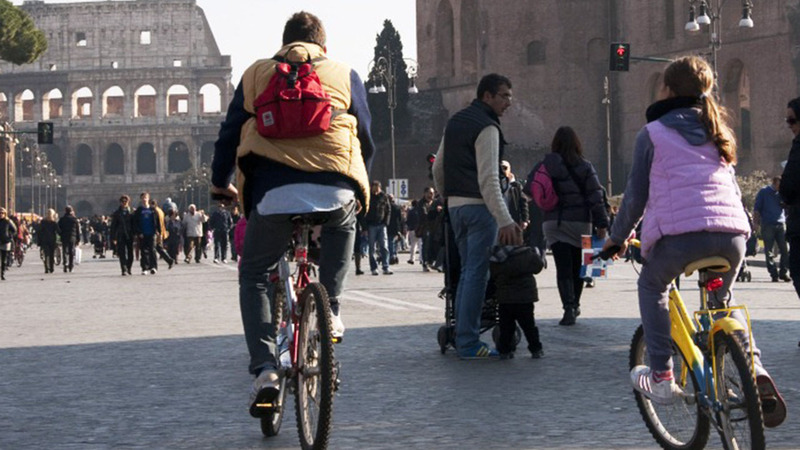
[[48, 230], [7, 232]]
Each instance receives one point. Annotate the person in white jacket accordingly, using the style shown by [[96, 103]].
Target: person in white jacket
[[193, 228]]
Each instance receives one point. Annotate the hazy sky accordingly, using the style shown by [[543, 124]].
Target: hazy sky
[[252, 29]]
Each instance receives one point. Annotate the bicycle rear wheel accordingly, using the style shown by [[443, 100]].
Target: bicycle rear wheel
[[20, 256], [315, 367], [740, 418], [681, 425]]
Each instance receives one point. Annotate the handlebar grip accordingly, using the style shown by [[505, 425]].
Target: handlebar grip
[[608, 253]]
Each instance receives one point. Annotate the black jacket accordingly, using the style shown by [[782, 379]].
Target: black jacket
[[379, 211], [513, 278], [220, 221], [573, 206], [790, 189], [121, 224], [517, 203], [70, 230], [46, 236], [7, 231]]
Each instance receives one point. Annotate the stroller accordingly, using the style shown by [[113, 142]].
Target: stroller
[[446, 335]]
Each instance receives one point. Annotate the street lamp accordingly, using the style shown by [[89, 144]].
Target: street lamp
[[710, 13], [385, 73]]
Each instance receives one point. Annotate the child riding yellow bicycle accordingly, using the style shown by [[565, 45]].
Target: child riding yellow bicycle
[[683, 175]]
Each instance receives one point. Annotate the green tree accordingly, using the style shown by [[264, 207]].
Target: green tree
[[20, 41], [389, 46]]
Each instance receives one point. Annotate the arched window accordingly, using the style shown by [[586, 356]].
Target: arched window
[[23, 106], [113, 101], [144, 101], [115, 160], [469, 37], [3, 107], [146, 158], [83, 160], [210, 99], [445, 54], [207, 153], [177, 100], [82, 103], [536, 53], [52, 105], [178, 160]]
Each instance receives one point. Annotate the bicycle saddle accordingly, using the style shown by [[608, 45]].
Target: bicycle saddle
[[713, 263], [313, 218]]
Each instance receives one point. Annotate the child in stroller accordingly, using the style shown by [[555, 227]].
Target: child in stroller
[[98, 242]]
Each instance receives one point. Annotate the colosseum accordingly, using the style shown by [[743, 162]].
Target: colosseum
[[135, 91]]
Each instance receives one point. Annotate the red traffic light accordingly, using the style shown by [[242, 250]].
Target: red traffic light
[[621, 51], [431, 158]]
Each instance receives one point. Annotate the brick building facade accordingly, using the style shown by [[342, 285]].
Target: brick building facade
[[136, 91], [556, 54]]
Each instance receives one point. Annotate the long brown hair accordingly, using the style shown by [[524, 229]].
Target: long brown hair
[[691, 76], [567, 144]]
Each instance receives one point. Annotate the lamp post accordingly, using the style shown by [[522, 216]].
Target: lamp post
[[709, 12], [385, 73]]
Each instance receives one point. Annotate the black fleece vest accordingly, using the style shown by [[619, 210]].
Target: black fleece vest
[[460, 165]]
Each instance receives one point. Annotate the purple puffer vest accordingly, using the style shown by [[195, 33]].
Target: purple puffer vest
[[691, 189]]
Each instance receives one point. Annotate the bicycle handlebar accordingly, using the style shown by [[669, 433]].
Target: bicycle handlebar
[[614, 249]]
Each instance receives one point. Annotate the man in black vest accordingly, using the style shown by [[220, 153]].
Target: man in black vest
[[467, 172]]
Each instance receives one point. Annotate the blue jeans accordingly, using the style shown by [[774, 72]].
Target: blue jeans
[[475, 231], [265, 241], [377, 236], [775, 234]]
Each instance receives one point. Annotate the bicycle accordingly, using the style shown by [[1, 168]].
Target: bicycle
[[19, 252], [712, 369], [56, 256], [302, 316]]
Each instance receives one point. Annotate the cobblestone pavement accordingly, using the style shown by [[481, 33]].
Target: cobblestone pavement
[[92, 360]]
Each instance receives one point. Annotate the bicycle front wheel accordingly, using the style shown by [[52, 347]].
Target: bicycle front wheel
[[315, 366], [681, 425], [740, 417]]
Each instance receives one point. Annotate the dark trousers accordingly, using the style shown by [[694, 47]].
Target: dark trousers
[[220, 245], [49, 252], [4, 260], [68, 252], [794, 262], [164, 255], [568, 270], [193, 243], [147, 252], [173, 247], [124, 251], [512, 314]]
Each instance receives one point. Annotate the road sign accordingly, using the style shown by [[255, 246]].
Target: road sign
[[398, 187]]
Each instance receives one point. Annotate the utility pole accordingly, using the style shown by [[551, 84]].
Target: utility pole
[[607, 102]]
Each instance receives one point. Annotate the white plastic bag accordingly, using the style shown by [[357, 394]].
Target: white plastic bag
[[78, 253]]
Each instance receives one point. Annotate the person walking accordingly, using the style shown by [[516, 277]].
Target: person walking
[[377, 220], [515, 201], [467, 172], [122, 234], [235, 216], [414, 232], [173, 239], [193, 227], [47, 238], [579, 207], [145, 228], [769, 217], [220, 223], [393, 229], [790, 192], [161, 235], [7, 232], [70, 231], [683, 176], [279, 178]]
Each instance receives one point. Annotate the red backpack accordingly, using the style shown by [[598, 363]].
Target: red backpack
[[294, 104], [540, 186]]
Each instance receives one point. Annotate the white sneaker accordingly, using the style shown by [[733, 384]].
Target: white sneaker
[[265, 391], [337, 326], [664, 392]]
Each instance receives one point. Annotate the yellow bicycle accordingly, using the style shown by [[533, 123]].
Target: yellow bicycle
[[710, 365]]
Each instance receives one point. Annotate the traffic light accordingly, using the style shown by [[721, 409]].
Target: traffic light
[[431, 158], [45, 133], [620, 57]]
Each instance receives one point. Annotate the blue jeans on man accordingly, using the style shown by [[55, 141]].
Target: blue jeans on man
[[775, 234], [377, 237], [475, 231]]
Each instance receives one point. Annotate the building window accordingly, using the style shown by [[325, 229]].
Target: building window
[[536, 53], [115, 64], [177, 63], [80, 39], [144, 38]]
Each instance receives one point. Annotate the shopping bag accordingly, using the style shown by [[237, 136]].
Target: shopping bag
[[78, 256]]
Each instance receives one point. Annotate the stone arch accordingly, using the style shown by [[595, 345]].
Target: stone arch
[[3, 107], [736, 98], [146, 158], [177, 100], [144, 101], [83, 160], [207, 153], [469, 37], [84, 209], [82, 100], [52, 105], [536, 53], [113, 102], [114, 160], [56, 157], [23, 106], [445, 45], [178, 160], [210, 99]]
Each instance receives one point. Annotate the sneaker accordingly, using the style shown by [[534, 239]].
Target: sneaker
[[337, 326], [772, 405], [144, 272], [664, 392], [170, 264], [387, 272], [216, 261], [359, 272], [411, 261], [479, 351], [224, 261], [153, 271], [186, 260], [425, 268], [375, 272], [266, 388], [785, 278]]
